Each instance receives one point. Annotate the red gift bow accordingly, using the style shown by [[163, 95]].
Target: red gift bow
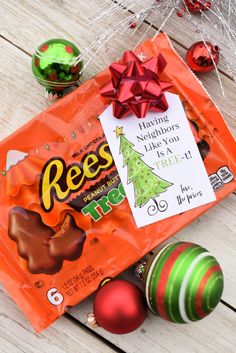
[[135, 86]]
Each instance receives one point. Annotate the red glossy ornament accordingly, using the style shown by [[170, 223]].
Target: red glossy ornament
[[197, 5], [200, 57], [132, 25], [119, 307], [181, 12]]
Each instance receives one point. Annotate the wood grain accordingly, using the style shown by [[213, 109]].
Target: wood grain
[[37, 23], [183, 32], [16, 336], [215, 229], [214, 334], [24, 25]]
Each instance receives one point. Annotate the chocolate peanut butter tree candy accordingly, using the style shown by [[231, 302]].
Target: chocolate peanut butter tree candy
[[30, 233], [68, 242], [42, 247], [203, 146]]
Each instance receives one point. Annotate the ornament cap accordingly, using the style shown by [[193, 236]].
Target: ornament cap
[[52, 95], [139, 269], [91, 319]]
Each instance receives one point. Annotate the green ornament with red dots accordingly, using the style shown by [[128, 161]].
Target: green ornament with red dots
[[56, 65]]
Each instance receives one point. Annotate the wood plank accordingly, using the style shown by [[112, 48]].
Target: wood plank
[[221, 233], [225, 105], [72, 22], [197, 337], [20, 102], [184, 32], [22, 97], [16, 335], [36, 23], [214, 334], [17, 108]]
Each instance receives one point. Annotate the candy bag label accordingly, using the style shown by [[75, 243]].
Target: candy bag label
[[158, 162]]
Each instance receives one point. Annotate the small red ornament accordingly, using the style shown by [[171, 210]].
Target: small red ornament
[[180, 12], [200, 57], [119, 307], [197, 5], [132, 25]]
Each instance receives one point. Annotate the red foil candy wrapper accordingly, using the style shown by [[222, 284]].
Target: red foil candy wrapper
[[66, 224]]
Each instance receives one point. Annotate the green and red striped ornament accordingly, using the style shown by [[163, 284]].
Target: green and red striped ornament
[[183, 282]]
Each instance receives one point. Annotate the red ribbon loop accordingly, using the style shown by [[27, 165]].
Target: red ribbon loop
[[135, 86]]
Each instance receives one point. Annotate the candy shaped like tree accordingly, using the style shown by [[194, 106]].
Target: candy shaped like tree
[[147, 185]]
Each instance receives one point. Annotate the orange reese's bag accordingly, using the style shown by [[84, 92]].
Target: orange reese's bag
[[52, 255]]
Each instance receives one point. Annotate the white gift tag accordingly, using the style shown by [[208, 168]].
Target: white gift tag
[[158, 162]]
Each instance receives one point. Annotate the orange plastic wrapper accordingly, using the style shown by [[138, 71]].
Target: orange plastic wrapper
[[52, 253]]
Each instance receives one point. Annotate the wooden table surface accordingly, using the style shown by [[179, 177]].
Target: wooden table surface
[[24, 24]]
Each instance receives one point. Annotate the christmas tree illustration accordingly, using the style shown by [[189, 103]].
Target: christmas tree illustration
[[147, 185]]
